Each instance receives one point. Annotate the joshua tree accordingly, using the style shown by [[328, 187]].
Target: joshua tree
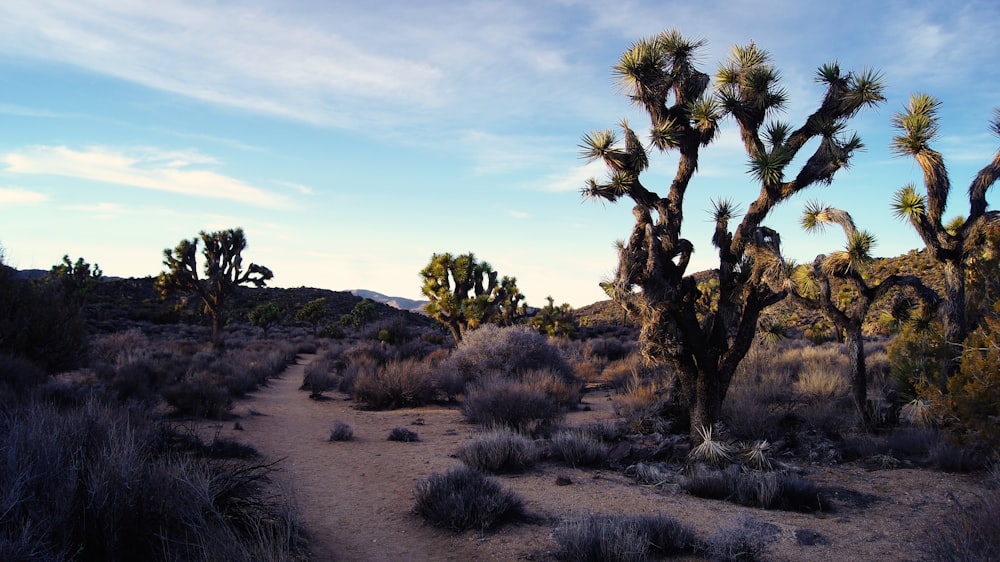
[[465, 293], [223, 269], [950, 243], [811, 286], [264, 316], [650, 282], [313, 312]]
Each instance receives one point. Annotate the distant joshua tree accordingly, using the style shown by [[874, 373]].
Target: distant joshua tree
[[811, 286], [465, 293], [955, 242], [659, 74], [313, 312], [265, 316], [223, 272]]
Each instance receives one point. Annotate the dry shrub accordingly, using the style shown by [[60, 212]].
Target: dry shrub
[[398, 384], [565, 391], [200, 394], [463, 498], [821, 383], [98, 482], [341, 431], [623, 538], [765, 490], [640, 405], [745, 540], [499, 450], [509, 350], [578, 448], [403, 435], [971, 532], [501, 401]]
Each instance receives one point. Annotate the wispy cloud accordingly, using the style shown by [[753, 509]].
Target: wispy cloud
[[17, 196], [574, 179], [303, 189], [168, 171]]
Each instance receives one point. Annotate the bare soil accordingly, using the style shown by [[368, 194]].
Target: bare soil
[[356, 497]]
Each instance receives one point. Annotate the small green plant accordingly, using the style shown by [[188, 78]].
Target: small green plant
[[464, 498]]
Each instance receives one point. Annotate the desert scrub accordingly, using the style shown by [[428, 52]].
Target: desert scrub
[[971, 532], [498, 400], [744, 540], [98, 482], [341, 431], [403, 435], [577, 448], [464, 498], [626, 538], [765, 490], [509, 350], [397, 384], [200, 395], [499, 450], [321, 375]]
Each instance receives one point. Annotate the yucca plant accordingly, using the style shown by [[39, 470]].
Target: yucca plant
[[711, 451]]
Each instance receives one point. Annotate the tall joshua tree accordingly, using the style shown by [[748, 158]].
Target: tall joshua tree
[[465, 293], [950, 243], [811, 286], [650, 282], [223, 272]]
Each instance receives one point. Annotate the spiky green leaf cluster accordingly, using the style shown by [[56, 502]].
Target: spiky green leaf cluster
[[918, 124], [909, 205]]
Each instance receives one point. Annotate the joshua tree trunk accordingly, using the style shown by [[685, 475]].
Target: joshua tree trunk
[[955, 328], [859, 373]]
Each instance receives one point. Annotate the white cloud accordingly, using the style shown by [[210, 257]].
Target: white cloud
[[575, 179], [167, 171], [17, 196], [518, 214]]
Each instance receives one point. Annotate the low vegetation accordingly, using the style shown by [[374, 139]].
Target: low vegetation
[[464, 498]]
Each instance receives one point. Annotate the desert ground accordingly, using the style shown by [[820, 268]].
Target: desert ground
[[356, 497]]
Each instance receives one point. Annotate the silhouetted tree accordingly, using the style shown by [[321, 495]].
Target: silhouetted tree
[[659, 74], [465, 293], [223, 272], [950, 243], [76, 280]]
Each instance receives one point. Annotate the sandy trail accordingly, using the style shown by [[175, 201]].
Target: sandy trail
[[356, 497]]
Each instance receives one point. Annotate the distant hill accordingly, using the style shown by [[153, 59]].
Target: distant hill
[[395, 302]]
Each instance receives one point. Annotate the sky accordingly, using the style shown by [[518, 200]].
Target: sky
[[353, 140]]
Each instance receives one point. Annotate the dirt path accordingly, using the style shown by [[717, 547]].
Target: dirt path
[[356, 497]]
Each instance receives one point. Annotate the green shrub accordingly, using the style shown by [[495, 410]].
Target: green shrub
[[499, 450], [463, 498], [612, 538]]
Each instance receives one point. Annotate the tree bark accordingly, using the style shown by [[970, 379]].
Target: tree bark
[[859, 373], [955, 329]]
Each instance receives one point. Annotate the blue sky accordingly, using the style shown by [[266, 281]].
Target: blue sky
[[352, 140]]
